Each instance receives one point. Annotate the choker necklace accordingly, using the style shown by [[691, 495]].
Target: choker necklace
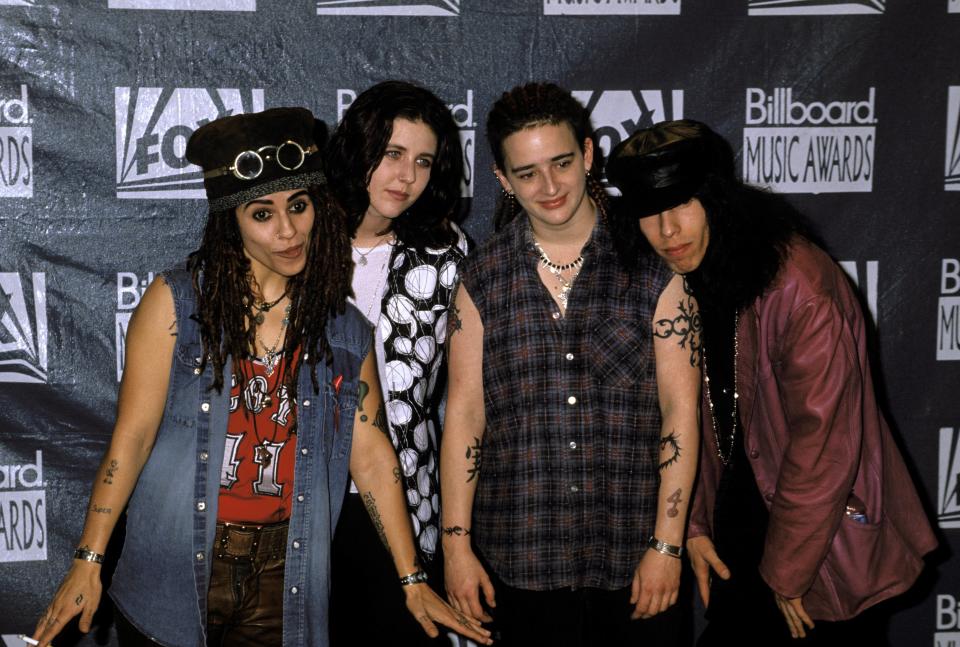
[[265, 306], [363, 256], [271, 354], [557, 270], [736, 396]]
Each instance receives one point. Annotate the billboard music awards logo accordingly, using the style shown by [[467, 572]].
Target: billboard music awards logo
[[616, 114], [948, 617], [948, 488], [388, 8], [948, 315], [953, 6], [16, 145], [23, 328], [611, 7], [462, 115], [795, 146], [951, 180], [185, 5], [23, 511], [153, 126], [130, 289], [813, 7]]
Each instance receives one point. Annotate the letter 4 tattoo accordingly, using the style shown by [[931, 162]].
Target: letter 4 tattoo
[[686, 325], [675, 500], [473, 453]]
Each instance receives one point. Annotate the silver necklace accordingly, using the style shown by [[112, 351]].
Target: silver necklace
[[363, 256], [557, 270], [271, 354], [736, 396]]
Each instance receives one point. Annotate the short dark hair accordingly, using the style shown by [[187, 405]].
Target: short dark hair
[[537, 104], [357, 147]]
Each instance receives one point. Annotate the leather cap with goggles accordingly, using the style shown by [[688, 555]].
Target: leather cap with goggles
[[242, 159]]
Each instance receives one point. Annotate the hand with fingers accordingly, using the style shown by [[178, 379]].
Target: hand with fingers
[[703, 559], [465, 577], [796, 616], [429, 608], [79, 594], [656, 584]]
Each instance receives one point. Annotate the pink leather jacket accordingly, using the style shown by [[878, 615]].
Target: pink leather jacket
[[814, 435]]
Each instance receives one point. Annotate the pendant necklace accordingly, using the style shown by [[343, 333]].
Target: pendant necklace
[[557, 270], [363, 256], [264, 306], [272, 353], [736, 396]]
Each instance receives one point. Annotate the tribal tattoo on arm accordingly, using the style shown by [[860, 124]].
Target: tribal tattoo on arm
[[459, 531], [686, 325], [380, 421], [675, 500], [473, 453], [672, 443], [371, 505], [454, 322]]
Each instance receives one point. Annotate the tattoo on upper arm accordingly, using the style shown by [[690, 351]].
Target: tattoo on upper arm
[[670, 443], [454, 322], [675, 500], [380, 420], [100, 509], [111, 471], [473, 453], [364, 390], [396, 474], [173, 328], [686, 325], [371, 505]]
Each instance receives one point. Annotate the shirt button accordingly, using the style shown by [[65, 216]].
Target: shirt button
[[294, 590], [556, 315], [574, 488], [569, 357], [572, 399], [201, 506], [306, 403], [296, 544], [197, 360], [196, 371], [199, 557], [300, 498], [303, 450], [204, 456], [205, 407], [573, 444]]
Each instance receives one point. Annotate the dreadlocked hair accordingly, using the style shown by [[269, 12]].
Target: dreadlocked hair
[[528, 106], [222, 281]]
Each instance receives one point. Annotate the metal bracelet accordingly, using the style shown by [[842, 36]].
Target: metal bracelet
[[88, 555], [665, 548], [417, 577]]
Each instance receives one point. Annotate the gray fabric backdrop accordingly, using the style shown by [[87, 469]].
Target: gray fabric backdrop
[[854, 107]]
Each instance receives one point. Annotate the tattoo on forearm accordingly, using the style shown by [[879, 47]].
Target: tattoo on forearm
[[364, 390], [396, 474], [380, 420], [459, 531], [173, 328], [671, 444], [675, 500], [686, 325], [473, 453], [371, 506], [111, 472], [79, 599], [100, 509]]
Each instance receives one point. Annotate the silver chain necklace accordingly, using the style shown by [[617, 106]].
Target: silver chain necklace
[[271, 354], [557, 270], [736, 396], [363, 256]]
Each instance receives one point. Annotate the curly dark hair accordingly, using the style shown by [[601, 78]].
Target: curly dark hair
[[357, 146], [222, 281], [538, 104], [750, 228]]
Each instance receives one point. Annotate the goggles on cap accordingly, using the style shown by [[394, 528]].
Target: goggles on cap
[[249, 164]]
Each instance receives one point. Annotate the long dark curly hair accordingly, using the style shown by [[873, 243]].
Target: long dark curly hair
[[750, 228], [539, 104], [357, 146], [222, 281]]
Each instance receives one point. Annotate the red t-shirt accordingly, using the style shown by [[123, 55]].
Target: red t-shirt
[[256, 479]]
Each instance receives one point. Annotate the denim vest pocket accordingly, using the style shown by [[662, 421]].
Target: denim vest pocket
[[343, 404], [622, 351]]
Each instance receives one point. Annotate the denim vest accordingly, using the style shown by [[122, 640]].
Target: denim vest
[[161, 581]]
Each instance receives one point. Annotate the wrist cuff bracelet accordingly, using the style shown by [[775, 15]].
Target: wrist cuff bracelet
[[417, 577], [88, 555], [665, 548]]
